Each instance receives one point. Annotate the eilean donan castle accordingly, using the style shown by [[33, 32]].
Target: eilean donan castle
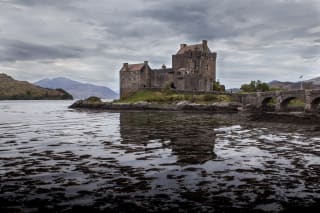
[[193, 69]]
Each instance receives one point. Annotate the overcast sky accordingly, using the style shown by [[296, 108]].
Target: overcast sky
[[88, 40]]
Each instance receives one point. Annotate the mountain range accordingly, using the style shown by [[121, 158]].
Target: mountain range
[[77, 89], [307, 84], [11, 89]]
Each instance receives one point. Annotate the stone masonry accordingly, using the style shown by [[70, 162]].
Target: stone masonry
[[193, 69], [259, 100]]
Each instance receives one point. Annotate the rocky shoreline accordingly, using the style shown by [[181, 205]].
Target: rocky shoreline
[[287, 117], [222, 107]]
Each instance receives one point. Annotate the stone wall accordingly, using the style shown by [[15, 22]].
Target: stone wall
[[161, 78], [194, 70], [145, 76], [129, 82]]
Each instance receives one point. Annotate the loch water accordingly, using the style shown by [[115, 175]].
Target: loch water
[[57, 159]]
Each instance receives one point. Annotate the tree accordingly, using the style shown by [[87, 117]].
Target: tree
[[255, 86], [216, 86]]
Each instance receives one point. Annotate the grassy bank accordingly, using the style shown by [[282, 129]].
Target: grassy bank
[[170, 97]]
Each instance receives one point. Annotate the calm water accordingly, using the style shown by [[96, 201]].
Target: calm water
[[55, 158]]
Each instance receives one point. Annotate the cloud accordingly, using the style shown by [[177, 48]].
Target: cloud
[[89, 40], [13, 50]]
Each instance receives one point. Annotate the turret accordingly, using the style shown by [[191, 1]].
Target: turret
[[125, 66], [182, 45], [205, 45]]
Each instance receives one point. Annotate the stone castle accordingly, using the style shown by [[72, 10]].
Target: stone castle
[[193, 69]]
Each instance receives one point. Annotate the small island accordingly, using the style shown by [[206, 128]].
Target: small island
[[191, 85], [170, 100], [188, 85]]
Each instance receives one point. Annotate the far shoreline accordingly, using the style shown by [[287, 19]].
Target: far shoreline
[[305, 118]]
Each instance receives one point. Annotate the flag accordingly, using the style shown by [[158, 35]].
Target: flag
[[301, 76]]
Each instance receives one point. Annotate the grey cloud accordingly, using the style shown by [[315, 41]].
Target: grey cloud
[[254, 39], [31, 3], [225, 19], [311, 52], [17, 50]]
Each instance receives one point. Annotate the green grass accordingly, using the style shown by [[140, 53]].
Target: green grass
[[296, 103], [169, 97], [272, 102]]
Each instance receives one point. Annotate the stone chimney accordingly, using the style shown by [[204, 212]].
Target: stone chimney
[[126, 66], [145, 62], [182, 45], [204, 45], [164, 66]]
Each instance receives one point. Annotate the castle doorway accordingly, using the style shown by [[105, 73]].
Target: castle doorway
[[172, 86]]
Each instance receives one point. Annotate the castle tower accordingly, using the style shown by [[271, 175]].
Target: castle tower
[[134, 77], [194, 67]]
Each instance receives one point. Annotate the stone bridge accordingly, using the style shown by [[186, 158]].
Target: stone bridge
[[282, 98]]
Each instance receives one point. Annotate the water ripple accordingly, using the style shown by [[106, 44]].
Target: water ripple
[[61, 159]]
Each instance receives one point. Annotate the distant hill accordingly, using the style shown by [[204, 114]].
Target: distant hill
[[11, 89], [77, 89], [314, 81], [233, 90], [308, 84]]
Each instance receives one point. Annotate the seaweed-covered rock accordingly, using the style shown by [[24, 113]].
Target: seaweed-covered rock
[[181, 106], [93, 99]]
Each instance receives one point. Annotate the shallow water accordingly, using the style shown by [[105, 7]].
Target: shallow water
[[55, 158]]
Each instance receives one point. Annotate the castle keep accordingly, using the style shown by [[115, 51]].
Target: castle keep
[[193, 69]]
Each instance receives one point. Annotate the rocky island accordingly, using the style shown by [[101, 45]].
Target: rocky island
[[170, 100], [11, 89], [165, 100], [191, 85]]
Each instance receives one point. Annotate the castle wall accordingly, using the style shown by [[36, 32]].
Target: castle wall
[[194, 71], [129, 82], [208, 68], [161, 78], [145, 76]]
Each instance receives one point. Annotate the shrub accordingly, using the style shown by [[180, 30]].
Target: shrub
[[93, 99], [216, 86], [255, 86]]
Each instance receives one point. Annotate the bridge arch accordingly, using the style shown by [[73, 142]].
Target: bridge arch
[[284, 103], [266, 103], [315, 103]]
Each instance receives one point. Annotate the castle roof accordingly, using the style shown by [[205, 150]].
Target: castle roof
[[163, 70], [192, 48], [135, 67]]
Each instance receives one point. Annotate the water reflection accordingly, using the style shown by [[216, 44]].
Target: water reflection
[[54, 159], [190, 140]]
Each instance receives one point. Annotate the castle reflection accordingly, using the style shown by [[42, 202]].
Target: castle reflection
[[191, 138]]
